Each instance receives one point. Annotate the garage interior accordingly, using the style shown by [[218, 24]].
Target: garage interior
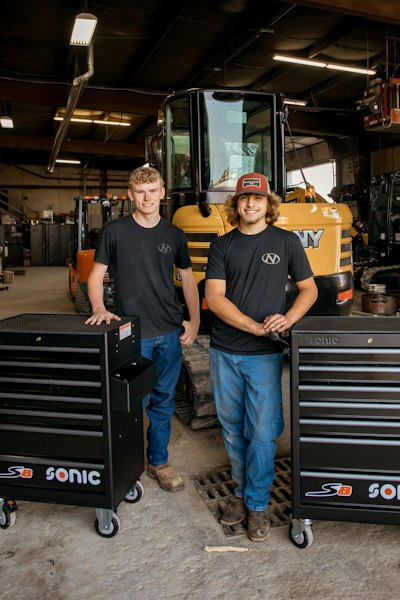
[[140, 54]]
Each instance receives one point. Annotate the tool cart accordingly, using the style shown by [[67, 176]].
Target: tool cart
[[345, 418], [71, 418]]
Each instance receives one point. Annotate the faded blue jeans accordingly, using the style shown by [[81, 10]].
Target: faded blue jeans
[[248, 396], [166, 351]]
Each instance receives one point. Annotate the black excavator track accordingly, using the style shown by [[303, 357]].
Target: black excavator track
[[194, 402]]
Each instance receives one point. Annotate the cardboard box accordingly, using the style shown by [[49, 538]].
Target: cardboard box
[[7, 220], [8, 276]]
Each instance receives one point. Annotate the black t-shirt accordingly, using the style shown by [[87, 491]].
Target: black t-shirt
[[140, 262], [256, 269]]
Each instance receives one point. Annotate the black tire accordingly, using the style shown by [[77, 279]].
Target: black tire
[[115, 525], [134, 494], [71, 295], [82, 302]]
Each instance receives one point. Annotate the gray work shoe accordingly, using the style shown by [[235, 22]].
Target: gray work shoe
[[167, 478], [235, 512], [258, 525]]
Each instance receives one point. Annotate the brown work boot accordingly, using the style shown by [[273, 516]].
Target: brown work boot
[[235, 512], [258, 525], [167, 478]]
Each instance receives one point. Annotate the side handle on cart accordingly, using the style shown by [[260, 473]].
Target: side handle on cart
[[130, 383]]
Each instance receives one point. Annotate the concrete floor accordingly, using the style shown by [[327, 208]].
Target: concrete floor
[[53, 551]]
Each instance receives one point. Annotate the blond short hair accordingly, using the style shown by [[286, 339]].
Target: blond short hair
[[145, 175], [272, 213]]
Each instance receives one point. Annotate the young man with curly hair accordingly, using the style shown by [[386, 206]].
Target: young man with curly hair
[[246, 277], [140, 252]]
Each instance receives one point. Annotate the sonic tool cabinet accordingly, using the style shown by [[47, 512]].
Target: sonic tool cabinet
[[71, 419], [345, 427]]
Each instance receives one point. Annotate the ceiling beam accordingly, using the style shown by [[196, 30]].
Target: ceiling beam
[[128, 101], [323, 125], [74, 146], [337, 33], [375, 10]]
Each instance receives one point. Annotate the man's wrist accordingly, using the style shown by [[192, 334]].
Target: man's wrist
[[290, 318], [100, 308]]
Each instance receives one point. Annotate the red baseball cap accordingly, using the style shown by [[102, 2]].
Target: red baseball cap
[[253, 183]]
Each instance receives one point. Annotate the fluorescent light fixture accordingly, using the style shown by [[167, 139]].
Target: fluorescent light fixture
[[351, 69], [118, 123], [318, 63], [96, 121], [84, 26], [79, 120], [7, 122], [74, 120], [299, 61], [66, 161], [295, 102]]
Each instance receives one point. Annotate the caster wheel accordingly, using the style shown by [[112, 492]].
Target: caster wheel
[[112, 530], [7, 515], [135, 494], [303, 539]]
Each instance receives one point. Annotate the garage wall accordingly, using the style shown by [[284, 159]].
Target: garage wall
[[33, 190], [308, 156], [385, 161]]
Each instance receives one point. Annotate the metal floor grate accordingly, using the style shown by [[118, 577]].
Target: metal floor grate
[[217, 487]]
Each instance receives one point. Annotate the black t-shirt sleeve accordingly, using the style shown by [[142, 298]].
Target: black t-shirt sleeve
[[216, 263], [104, 246], [182, 258]]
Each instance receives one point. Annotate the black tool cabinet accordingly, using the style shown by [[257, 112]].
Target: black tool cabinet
[[345, 422], [71, 419]]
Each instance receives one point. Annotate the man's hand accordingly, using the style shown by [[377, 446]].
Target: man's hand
[[277, 323], [258, 329], [190, 332], [100, 315]]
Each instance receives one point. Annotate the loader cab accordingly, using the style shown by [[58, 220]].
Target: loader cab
[[209, 138]]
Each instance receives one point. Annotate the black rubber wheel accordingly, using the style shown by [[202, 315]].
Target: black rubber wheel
[[304, 540], [108, 533], [135, 494], [7, 518]]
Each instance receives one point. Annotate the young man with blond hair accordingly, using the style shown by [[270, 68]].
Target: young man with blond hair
[[140, 251]]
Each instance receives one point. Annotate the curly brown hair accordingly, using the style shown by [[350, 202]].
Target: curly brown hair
[[145, 175], [272, 213]]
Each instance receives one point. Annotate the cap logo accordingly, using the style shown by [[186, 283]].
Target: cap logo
[[251, 182]]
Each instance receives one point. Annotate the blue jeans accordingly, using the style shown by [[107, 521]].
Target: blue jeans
[[166, 351], [248, 396]]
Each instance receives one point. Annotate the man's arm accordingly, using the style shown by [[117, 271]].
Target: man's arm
[[306, 297], [96, 296], [191, 295], [219, 304]]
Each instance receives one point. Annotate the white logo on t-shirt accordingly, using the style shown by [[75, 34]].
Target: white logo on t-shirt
[[270, 258]]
